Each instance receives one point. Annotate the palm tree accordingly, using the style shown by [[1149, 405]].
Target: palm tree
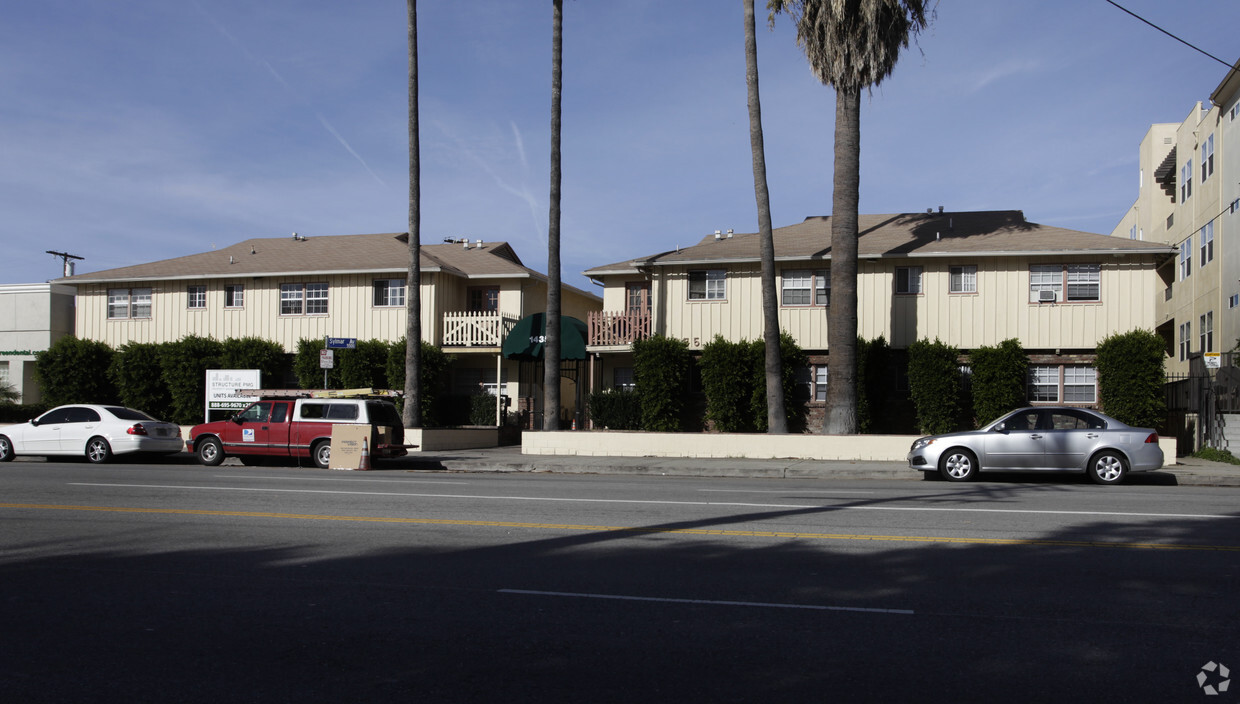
[[551, 348], [776, 418], [412, 414], [850, 45]]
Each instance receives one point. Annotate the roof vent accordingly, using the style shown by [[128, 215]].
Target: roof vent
[[729, 234], [940, 210], [718, 234], [477, 244]]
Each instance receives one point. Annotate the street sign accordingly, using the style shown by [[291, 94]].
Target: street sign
[[327, 359], [342, 343]]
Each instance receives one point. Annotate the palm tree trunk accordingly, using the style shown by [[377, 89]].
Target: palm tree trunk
[[412, 413], [551, 348], [841, 416], [776, 417]]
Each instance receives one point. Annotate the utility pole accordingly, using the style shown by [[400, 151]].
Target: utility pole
[[67, 259]]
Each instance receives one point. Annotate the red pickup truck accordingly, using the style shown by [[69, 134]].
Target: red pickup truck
[[297, 427]]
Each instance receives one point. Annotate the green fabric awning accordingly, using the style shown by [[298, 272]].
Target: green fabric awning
[[525, 341]]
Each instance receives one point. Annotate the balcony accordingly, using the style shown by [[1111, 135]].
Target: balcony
[[470, 329], [609, 328]]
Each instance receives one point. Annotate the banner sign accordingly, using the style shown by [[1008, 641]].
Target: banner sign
[[222, 385]]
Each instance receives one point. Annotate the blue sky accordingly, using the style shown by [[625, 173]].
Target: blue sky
[[140, 130]]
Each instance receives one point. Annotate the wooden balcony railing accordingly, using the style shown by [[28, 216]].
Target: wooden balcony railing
[[468, 329], [611, 328]]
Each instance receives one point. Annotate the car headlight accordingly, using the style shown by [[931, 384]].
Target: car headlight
[[920, 443]]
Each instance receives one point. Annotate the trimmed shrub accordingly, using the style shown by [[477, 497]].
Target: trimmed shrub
[[661, 375], [364, 367], [934, 385], [1131, 378], [731, 385], [482, 409], [268, 357], [435, 366], [184, 366], [793, 361], [614, 409], [73, 370], [873, 372], [999, 378], [307, 370], [138, 374]]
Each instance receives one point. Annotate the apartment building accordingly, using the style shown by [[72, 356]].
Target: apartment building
[[970, 279], [1188, 196], [32, 318], [287, 289]]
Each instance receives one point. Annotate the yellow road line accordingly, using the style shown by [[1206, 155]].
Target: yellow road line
[[630, 529]]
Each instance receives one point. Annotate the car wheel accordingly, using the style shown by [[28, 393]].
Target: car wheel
[[1107, 468], [322, 454], [6, 448], [210, 452], [958, 465], [98, 450]]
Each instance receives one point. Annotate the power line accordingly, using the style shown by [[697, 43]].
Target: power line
[[1169, 34]]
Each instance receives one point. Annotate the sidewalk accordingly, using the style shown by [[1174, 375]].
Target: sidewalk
[[1188, 471]]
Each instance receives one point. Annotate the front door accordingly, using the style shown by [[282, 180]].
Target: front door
[[1019, 445]]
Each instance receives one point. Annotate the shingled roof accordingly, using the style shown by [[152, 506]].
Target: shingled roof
[[911, 235], [329, 254]]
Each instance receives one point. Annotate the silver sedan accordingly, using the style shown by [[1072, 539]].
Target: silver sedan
[[1044, 438]]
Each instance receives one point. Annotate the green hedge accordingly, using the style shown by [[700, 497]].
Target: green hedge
[[615, 409], [1000, 374], [934, 385], [661, 374], [1131, 378], [73, 370], [138, 374]]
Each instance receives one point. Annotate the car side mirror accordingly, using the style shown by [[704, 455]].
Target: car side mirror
[[237, 419], [34, 422], [1000, 428]]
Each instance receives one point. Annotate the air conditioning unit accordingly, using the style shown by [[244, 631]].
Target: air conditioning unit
[[1045, 296]]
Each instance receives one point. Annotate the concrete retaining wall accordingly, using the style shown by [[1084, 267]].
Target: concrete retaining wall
[[878, 448], [429, 439]]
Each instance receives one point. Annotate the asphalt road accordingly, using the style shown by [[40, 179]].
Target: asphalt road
[[182, 583]]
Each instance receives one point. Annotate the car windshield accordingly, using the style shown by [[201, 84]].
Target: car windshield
[[127, 413]]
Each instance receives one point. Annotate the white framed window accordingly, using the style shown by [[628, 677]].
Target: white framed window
[[1233, 300], [1080, 384], [1186, 342], [389, 293], [1186, 258], [1207, 158], [1206, 326], [1207, 243], [4, 372], [1084, 282], [1043, 383], [126, 303], [1186, 181], [316, 299], [196, 297], [1045, 283], [707, 285], [962, 279], [234, 296], [908, 280], [820, 382], [803, 287], [292, 299]]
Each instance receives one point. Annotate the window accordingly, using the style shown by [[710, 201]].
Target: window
[[1132, 232], [962, 279], [1084, 281], [709, 285], [389, 293], [1080, 384], [1045, 283], [1186, 258], [316, 299], [1186, 181], [129, 303], [820, 382], [4, 373], [1206, 326], [234, 296], [484, 299], [197, 297], [1234, 300], [622, 379], [806, 288], [1207, 243], [1207, 158], [292, 299], [908, 280], [1044, 383], [1186, 333]]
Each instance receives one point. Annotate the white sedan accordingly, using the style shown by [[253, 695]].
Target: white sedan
[[96, 432]]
